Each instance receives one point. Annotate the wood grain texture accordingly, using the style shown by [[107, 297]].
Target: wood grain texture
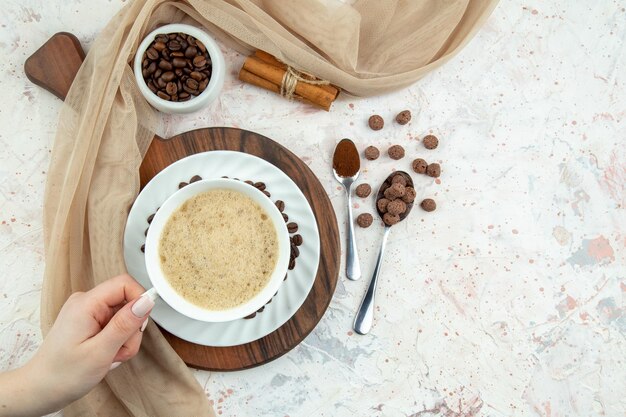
[[54, 66]]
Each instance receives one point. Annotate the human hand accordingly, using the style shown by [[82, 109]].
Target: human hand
[[94, 332]]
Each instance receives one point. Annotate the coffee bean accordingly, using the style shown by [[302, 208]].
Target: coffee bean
[[260, 185], [165, 54], [292, 264], [152, 53], [200, 46], [157, 74], [162, 38], [191, 83], [165, 65], [191, 40], [179, 62], [203, 84], [177, 54], [145, 63], [285, 217], [178, 72], [172, 35], [280, 204], [151, 68], [267, 193], [249, 183], [182, 184], [196, 75], [191, 52], [186, 71], [195, 178], [190, 90], [199, 61], [184, 96], [162, 95], [161, 83], [297, 240], [173, 45], [292, 227], [168, 76], [295, 251], [151, 217], [171, 88], [143, 248], [159, 46], [146, 232], [152, 87]]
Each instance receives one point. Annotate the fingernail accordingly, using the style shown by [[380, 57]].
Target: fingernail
[[114, 365], [142, 306], [143, 326]]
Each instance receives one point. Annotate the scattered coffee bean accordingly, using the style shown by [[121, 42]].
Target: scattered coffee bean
[[419, 166], [145, 233], [428, 204], [371, 153], [292, 264], [280, 205], [249, 182], [143, 248], [433, 170], [396, 152], [430, 141], [391, 219], [297, 240], [376, 122], [285, 217], [364, 220], [176, 67], [267, 193], [403, 117], [195, 178], [295, 252], [363, 190], [151, 217], [292, 227], [399, 179], [182, 184], [260, 185]]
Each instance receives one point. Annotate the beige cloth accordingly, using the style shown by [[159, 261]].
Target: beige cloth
[[105, 128]]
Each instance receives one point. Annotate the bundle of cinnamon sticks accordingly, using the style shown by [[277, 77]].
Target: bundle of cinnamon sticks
[[265, 71]]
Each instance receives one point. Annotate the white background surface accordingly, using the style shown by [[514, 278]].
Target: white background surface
[[507, 300]]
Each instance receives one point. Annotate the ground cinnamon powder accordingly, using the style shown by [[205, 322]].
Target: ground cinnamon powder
[[346, 161]]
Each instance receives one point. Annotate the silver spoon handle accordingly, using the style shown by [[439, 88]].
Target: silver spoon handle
[[353, 269], [365, 315]]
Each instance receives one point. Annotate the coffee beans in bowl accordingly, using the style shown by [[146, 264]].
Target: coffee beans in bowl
[[179, 68], [176, 67]]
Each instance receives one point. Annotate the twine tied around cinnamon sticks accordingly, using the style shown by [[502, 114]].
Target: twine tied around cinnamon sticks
[[265, 71]]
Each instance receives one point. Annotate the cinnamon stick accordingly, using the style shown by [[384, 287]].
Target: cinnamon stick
[[274, 74], [253, 79], [270, 59]]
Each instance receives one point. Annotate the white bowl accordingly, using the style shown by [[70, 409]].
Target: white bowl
[[163, 287], [216, 81]]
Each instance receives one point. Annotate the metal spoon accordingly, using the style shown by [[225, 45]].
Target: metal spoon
[[365, 315], [346, 149]]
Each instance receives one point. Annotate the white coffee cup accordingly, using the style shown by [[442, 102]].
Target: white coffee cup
[[162, 287]]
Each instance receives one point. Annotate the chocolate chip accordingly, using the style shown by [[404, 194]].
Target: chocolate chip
[[430, 141], [433, 170], [403, 117], [363, 190], [428, 204], [364, 220], [371, 153], [297, 240], [419, 166], [195, 178], [396, 152], [292, 227], [376, 122], [280, 205]]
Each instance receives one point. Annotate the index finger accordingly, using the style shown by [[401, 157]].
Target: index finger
[[115, 291]]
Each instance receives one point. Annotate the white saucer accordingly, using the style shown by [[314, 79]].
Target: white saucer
[[291, 293]]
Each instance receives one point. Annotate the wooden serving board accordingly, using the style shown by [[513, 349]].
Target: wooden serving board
[[55, 65]]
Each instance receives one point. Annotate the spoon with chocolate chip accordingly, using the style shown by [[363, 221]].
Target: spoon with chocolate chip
[[394, 202]]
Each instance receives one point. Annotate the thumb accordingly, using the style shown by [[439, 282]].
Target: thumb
[[124, 324]]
